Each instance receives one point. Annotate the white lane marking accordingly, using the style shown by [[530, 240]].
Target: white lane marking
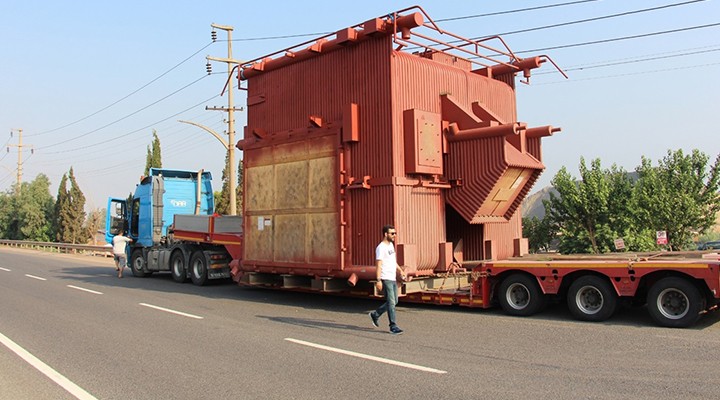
[[4, 269], [171, 311], [35, 277], [84, 290], [64, 382], [368, 357]]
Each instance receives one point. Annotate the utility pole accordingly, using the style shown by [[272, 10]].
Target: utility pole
[[230, 109], [20, 161]]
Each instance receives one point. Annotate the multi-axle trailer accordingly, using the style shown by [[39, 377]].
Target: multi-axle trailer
[[396, 121]]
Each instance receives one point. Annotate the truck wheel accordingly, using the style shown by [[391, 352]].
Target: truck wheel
[[591, 298], [178, 269], [137, 263], [521, 295], [198, 268], [675, 302]]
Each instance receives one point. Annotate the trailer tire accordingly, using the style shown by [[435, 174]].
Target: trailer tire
[[591, 298], [178, 269], [675, 302], [198, 268], [137, 263], [520, 295]]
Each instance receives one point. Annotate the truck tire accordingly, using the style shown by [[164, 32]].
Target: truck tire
[[178, 269], [591, 298], [675, 302], [198, 268], [520, 295], [137, 263]]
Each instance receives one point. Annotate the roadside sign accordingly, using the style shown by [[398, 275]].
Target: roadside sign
[[661, 237], [619, 244]]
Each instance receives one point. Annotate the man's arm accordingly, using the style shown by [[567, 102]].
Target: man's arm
[[378, 271]]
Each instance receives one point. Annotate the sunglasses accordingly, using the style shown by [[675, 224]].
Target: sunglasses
[[392, 233]]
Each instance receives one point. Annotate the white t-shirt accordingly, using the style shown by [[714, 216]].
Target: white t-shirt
[[385, 252], [119, 244]]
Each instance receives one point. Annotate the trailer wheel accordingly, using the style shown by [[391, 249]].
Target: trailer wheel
[[591, 298], [178, 269], [675, 302], [198, 268], [521, 295], [137, 263]]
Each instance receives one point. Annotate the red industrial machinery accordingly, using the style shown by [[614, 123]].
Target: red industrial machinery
[[396, 121]]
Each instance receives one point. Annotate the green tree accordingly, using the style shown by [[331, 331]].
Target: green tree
[[95, 222], [679, 196], [594, 211], [222, 198], [35, 210], [540, 233], [153, 159], [78, 231], [63, 213], [8, 218]]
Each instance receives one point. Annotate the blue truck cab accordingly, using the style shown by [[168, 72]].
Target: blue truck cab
[[149, 217]]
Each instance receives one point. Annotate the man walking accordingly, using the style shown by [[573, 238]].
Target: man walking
[[119, 242], [386, 272]]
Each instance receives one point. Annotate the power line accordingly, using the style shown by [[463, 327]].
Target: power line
[[128, 115], [628, 61], [125, 97], [138, 130], [581, 21], [437, 20], [514, 11], [565, 46], [630, 74]]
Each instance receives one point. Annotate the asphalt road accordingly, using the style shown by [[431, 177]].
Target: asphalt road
[[151, 338]]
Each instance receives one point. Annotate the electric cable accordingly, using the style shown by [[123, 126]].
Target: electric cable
[[565, 46], [125, 97], [126, 116], [514, 11], [582, 21]]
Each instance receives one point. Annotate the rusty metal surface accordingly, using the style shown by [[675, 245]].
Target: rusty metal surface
[[352, 131]]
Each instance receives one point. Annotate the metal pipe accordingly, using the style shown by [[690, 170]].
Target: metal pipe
[[541, 131], [198, 192], [457, 135]]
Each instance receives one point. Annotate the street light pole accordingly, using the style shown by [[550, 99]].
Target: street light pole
[[232, 167], [229, 144]]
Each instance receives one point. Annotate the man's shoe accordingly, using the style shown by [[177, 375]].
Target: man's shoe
[[374, 319], [396, 331]]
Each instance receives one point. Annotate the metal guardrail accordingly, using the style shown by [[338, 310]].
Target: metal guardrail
[[53, 247]]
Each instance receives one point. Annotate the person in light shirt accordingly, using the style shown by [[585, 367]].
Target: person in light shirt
[[119, 243], [387, 269]]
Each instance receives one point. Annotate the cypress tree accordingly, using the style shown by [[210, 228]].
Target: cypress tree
[[77, 227], [62, 211]]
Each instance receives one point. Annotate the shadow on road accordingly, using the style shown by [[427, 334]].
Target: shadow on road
[[104, 275], [315, 323]]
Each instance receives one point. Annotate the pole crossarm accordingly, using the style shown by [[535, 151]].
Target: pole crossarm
[[225, 60]]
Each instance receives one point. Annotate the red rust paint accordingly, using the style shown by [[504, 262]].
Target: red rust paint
[[377, 124]]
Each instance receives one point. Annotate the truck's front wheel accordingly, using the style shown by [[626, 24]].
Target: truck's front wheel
[[198, 268], [675, 302], [137, 263], [178, 269]]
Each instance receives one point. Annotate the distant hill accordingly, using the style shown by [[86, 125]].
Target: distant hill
[[532, 206]]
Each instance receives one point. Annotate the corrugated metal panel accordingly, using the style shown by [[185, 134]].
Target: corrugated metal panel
[[503, 236], [421, 222], [383, 84], [370, 210]]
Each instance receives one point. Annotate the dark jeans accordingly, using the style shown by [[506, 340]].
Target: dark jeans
[[391, 299]]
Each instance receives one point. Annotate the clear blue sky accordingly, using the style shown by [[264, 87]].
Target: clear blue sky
[[65, 61]]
